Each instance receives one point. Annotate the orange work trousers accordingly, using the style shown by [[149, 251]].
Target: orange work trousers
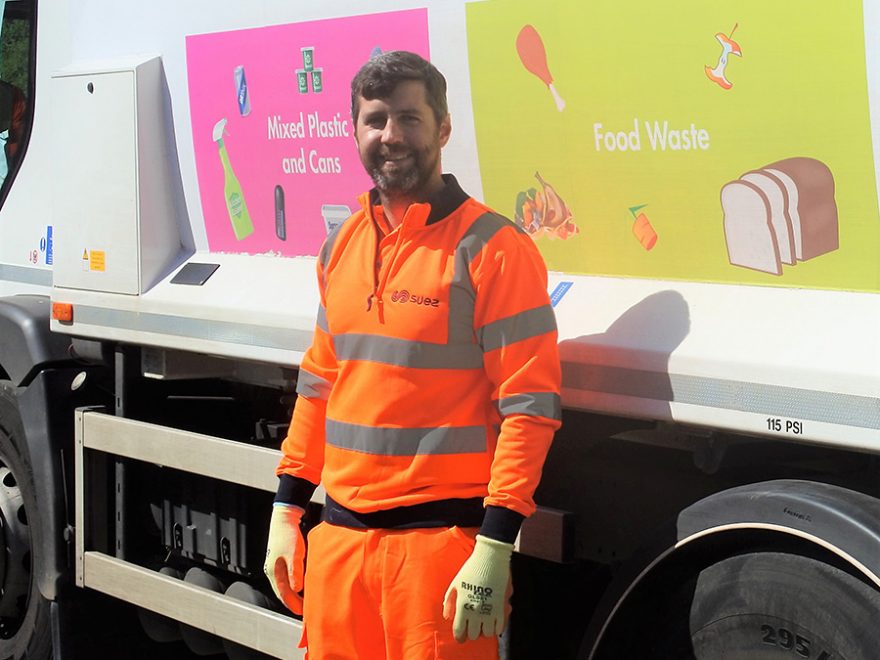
[[377, 594]]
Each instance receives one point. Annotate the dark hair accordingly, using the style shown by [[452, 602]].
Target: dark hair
[[378, 78]]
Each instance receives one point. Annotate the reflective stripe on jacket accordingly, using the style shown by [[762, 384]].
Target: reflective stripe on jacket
[[434, 370]]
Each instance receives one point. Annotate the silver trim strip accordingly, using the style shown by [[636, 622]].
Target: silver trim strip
[[191, 452], [407, 353], [516, 328], [777, 400], [220, 331], [385, 441], [79, 501], [311, 386], [462, 296], [542, 404], [321, 320], [26, 274], [252, 626]]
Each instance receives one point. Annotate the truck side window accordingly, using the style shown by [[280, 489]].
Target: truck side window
[[16, 83]]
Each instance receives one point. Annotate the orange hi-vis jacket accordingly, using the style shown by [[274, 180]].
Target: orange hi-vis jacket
[[434, 371]]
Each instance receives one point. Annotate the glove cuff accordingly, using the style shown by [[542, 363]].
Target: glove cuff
[[291, 514], [289, 507], [493, 546]]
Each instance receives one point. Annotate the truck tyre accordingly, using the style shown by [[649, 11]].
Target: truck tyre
[[775, 606], [25, 628]]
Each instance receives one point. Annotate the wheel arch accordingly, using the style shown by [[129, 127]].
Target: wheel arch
[[838, 525], [36, 370], [28, 344], [843, 522]]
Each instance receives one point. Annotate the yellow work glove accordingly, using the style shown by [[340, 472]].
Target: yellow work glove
[[285, 555], [478, 594]]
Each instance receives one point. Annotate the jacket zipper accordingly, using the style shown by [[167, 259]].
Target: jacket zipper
[[376, 262], [381, 279]]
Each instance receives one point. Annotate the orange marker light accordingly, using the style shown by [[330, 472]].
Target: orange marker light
[[62, 312]]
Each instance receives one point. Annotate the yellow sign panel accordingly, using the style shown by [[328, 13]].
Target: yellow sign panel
[[96, 260], [728, 143]]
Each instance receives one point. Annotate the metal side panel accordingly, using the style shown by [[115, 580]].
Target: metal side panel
[[99, 437], [254, 627], [206, 455], [78, 497], [191, 452]]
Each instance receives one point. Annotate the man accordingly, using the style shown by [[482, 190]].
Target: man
[[427, 400]]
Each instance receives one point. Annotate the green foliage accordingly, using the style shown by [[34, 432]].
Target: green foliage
[[15, 51]]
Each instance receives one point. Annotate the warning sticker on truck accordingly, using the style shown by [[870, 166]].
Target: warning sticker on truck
[[94, 260]]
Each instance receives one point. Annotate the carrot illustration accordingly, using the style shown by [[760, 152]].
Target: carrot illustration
[[530, 48], [642, 228]]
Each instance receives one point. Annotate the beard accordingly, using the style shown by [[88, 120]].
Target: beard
[[402, 178]]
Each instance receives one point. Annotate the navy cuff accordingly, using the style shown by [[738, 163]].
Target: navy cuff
[[501, 524], [294, 490]]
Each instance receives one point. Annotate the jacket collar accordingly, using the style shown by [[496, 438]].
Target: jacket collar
[[438, 206]]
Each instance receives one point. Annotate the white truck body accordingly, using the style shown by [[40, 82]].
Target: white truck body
[[109, 203], [820, 342]]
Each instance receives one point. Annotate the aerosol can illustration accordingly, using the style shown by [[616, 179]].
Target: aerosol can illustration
[[280, 221], [235, 204]]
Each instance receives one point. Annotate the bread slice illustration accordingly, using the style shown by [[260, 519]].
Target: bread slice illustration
[[780, 214], [809, 185], [777, 198], [748, 230]]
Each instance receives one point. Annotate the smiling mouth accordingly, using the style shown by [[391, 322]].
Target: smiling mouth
[[395, 157], [396, 161]]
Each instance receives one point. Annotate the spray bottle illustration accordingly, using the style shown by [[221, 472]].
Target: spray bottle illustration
[[235, 204]]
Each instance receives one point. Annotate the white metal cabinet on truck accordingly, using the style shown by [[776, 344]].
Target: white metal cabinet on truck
[[702, 186]]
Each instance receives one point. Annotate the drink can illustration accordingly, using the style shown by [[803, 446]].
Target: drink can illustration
[[318, 80], [302, 81], [308, 53], [280, 220], [241, 91]]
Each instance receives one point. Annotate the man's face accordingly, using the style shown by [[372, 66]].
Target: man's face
[[399, 141]]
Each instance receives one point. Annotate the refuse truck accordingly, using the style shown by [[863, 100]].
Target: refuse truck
[[701, 180]]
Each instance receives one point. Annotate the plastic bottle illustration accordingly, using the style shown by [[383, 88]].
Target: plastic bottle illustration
[[235, 204]]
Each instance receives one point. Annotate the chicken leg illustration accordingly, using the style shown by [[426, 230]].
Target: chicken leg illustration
[[728, 47], [530, 48]]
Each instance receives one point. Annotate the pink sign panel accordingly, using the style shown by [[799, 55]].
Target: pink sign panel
[[276, 159]]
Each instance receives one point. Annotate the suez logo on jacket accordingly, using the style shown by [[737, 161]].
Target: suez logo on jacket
[[404, 296]]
